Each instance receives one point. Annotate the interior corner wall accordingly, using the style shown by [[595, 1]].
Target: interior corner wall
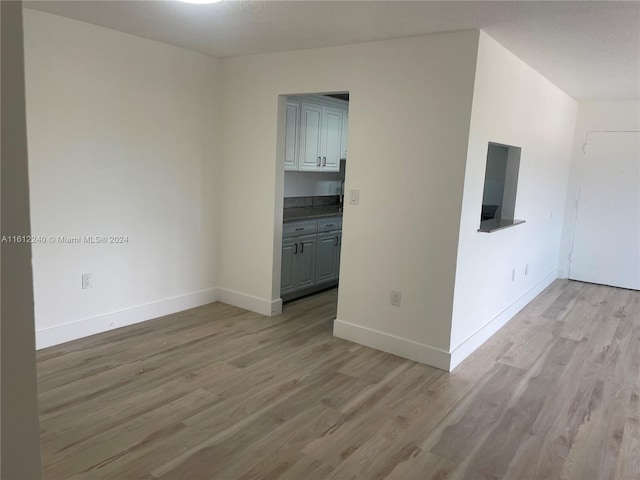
[[512, 105], [409, 111], [20, 439], [124, 142], [611, 116]]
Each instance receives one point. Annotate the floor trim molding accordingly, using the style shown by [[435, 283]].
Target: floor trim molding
[[47, 337], [471, 343], [386, 342], [263, 306]]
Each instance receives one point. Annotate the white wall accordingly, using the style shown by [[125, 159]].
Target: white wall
[[618, 116], [513, 105], [123, 140], [311, 184], [20, 440], [409, 111], [126, 137]]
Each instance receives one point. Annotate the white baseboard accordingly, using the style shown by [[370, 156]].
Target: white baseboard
[[468, 346], [402, 347], [48, 337], [433, 356], [249, 302]]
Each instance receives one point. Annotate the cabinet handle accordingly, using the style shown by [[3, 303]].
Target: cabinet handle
[[328, 224], [324, 161], [298, 229], [301, 247], [296, 248], [336, 242], [318, 162]]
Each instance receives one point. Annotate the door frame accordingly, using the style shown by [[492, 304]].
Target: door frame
[[578, 191], [279, 190]]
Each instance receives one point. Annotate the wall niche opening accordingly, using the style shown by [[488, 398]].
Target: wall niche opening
[[500, 188]]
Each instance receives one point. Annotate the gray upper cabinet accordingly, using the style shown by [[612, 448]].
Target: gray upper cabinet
[[343, 134], [292, 135], [310, 136], [315, 133], [330, 139]]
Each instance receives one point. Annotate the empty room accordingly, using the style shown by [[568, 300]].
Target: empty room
[[320, 240]]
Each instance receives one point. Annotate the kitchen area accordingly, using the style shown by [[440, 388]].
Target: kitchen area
[[314, 174]]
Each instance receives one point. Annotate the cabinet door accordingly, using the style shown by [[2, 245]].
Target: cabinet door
[[338, 256], [311, 124], [288, 272], [292, 135], [306, 260], [343, 136], [331, 131], [327, 259]]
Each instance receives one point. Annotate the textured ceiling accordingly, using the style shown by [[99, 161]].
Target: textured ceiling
[[589, 49]]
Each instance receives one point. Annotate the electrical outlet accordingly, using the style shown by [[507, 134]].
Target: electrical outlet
[[87, 281], [513, 274], [396, 298], [526, 269]]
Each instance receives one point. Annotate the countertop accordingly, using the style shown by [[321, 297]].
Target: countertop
[[495, 224], [306, 213]]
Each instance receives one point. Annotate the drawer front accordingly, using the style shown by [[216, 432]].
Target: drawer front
[[303, 227], [329, 224]]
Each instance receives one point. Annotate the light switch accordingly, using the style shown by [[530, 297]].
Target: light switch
[[354, 198]]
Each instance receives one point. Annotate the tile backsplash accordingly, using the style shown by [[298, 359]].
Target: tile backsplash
[[301, 202]]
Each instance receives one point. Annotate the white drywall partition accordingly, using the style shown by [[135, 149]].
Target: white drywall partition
[[512, 105], [19, 392], [409, 111], [124, 138]]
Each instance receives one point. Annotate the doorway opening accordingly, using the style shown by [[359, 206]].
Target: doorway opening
[[606, 231], [314, 130]]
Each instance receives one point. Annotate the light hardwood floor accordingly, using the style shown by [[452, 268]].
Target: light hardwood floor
[[220, 393]]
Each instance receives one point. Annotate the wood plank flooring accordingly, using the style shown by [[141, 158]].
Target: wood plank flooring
[[220, 393]]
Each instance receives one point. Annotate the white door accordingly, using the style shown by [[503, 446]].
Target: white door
[[606, 245]]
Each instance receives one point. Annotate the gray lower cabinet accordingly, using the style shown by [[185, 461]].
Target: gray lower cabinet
[[327, 262], [306, 259], [288, 273], [339, 250], [310, 260], [298, 263]]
